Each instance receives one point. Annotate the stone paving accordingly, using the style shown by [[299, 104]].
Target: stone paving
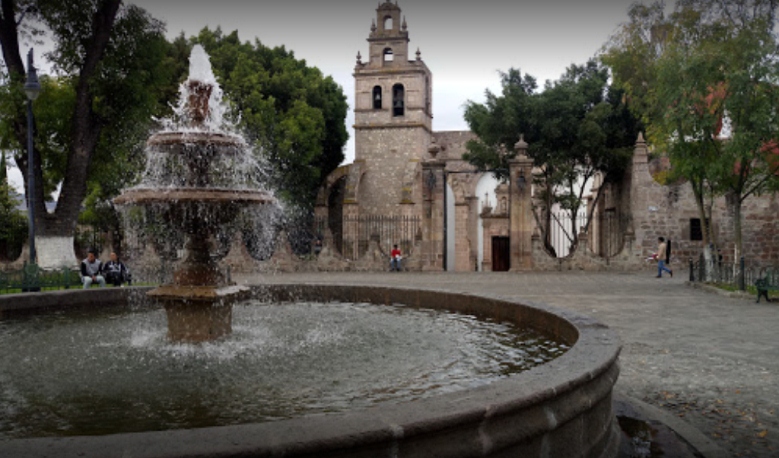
[[704, 358]]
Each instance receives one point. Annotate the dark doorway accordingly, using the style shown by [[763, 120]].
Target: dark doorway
[[501, 254]]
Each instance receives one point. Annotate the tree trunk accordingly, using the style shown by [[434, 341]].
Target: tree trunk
[[55, 231], [737, 252], [697, 191]]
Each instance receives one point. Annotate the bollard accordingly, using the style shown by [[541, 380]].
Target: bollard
[[692, 274]]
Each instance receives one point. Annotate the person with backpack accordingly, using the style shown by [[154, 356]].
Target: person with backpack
[[116, 272]]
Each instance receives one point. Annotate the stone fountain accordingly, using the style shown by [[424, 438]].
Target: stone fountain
[[197, 182]]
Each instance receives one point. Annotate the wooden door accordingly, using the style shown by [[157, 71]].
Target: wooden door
[[501, 254]]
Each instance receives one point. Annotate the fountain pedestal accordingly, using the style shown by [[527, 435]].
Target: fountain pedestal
[[198, 313]]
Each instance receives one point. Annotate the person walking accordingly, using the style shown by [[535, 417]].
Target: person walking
[[660, 256]]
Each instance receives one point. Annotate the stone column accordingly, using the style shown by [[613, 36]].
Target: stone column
[[350, 243], [473, 232], [521, 221], [433, 215], [462, 243]]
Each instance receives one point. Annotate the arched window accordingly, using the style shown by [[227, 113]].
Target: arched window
[[398, 100], [388, 56], [376, 97], [388, 23]]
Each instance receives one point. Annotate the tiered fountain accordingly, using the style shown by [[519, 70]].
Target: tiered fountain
[[100, 375], [197, 181]]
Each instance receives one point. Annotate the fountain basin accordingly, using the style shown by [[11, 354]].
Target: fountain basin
[[562, 408]]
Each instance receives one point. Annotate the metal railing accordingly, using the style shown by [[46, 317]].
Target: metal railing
[[738, 275], [356, 233], [33, 278], [606, 234]]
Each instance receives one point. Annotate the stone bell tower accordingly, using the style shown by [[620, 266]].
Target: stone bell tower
[[393, 120]]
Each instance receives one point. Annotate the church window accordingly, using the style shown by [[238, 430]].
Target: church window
[[388, 23], [398, 100], [388, 56], [377, 97]]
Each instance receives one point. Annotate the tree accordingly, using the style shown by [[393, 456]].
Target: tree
[[711, 63], [110, 70], [290, 110], [577, 127], [13, 230]]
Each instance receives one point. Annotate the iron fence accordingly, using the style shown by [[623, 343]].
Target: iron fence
[[356, 232], [32, 278], [738, 275], [605, 235]]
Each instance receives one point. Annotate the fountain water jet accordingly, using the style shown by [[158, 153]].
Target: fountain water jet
[[192, 185]]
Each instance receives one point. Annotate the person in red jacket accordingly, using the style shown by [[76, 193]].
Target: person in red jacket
[[395, 258]]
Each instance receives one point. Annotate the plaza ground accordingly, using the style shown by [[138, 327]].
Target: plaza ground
[[704, 363]]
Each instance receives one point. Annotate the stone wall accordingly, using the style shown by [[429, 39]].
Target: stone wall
[[667, 210]]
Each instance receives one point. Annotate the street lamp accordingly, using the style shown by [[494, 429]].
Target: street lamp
[[32, 88]]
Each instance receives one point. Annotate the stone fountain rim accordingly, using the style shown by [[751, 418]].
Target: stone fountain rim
[[191, 194], [197, 137], [564, 389]]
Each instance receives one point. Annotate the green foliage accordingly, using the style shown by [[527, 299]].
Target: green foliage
[[131, 84], [709, 64], [13, 230], [576, 127], [294, 113]]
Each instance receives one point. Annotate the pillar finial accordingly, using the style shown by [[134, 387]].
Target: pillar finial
[[521, 146]]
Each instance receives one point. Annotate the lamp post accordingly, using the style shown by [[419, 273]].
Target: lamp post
[[32, 88]]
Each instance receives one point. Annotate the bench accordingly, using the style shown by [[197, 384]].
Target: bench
[[768, 280]]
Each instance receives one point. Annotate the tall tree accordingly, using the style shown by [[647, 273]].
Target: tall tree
[[577, 127], [14, 225], [710, 64], [290, 109], [109, 66]]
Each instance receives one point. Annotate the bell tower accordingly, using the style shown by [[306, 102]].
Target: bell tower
[[393, 115]]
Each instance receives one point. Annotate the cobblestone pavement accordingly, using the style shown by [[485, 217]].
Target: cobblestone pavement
[[711, 360]]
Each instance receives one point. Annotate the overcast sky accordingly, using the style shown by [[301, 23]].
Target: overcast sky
[[464, 43]]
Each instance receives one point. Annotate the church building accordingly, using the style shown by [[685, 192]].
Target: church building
[[393, 192]]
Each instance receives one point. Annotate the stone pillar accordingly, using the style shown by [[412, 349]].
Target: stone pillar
[[462, 244], [473, 232], [433, 215], [486, 263], [350, 243], [521, 221]]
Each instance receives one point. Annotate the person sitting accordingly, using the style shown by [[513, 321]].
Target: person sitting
[[91, 270], [116, 272], [395, 258]]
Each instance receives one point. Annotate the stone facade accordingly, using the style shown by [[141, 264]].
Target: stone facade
[[401, 166], [669, 211]]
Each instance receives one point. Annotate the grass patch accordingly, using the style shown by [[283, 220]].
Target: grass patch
[[733, 288]]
